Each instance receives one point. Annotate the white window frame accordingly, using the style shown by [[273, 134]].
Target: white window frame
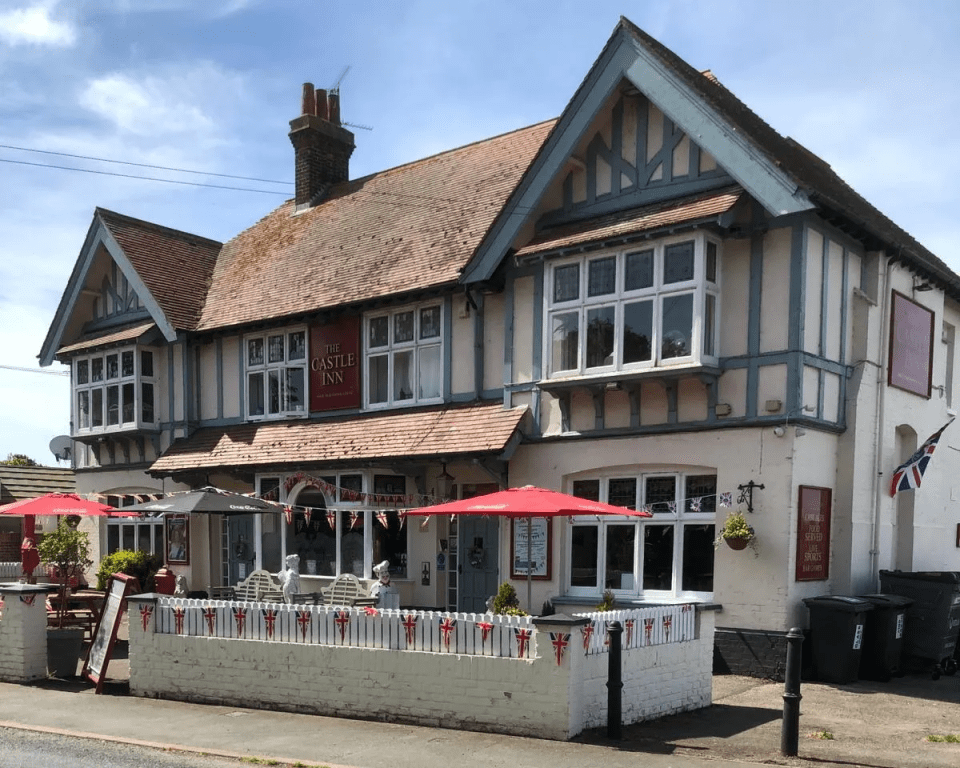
[[417, 347], [269, 368], [87, 389], [151, 528], [676, 519], [703, 351]]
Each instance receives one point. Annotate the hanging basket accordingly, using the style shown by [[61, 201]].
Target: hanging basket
[[737, 543]]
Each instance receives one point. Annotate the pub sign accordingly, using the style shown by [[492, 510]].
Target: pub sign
[[335, 365]]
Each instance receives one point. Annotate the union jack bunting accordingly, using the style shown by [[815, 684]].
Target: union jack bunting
[[28, 599], [342, 620], [146, 611], [307, 514], [695, 504], [410, 627], [269, 620], [671, 507], [647, 631], [211, 616], [485, 627], [587, 632], [332, 519], [447, 625], [628, 625], [560, 642], [908, 475], [523, 640], [178, 620], [667, 623], [726, 499], [303, 620], [240, 617], [402, 514], [382, 519], [354, 517], [288, 515]]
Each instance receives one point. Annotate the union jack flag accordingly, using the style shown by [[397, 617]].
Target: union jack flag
[[303, 620], [307, 514], [240, 617], [907, 476], [447, 625], [211, 616], [485, 628], [342, 620], [382, 519], [146, 611], [354, 517], [288, 515], [28, 599], [270, 620], [647, 631], [587, 632], [523, 640], [628, 625], [410, 627], [560, 642], [667, 623], [178, 620], [332, 519]]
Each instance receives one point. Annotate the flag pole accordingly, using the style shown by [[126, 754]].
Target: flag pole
[[529, 569]]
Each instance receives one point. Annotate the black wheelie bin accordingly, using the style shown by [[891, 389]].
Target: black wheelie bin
[[836, 634], [933, 621], [882, 654]]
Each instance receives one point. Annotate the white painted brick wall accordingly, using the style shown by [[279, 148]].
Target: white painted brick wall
[[23, 636]]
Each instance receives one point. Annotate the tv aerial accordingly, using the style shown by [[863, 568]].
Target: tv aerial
[[336, 89]]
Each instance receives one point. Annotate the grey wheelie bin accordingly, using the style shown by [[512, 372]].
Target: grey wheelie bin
[[836, 634], [882, 654], [933, 621]]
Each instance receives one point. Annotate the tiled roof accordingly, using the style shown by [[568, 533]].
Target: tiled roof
[[18, 483], [626, 223], [175, 266], [470, 430], [408, 229], [108, 337]]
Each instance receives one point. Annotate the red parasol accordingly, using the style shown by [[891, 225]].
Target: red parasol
[[526, 502]]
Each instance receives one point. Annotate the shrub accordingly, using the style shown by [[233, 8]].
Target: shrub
[[141, 565], [506, 602], [607, 603]]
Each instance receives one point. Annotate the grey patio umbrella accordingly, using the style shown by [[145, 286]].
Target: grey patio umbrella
[[205, 500]]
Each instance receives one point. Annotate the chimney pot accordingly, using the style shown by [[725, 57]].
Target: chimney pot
[[308, 102], [334, 101], [322, 110]]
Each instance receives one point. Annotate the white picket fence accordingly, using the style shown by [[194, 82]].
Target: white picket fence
[[10, 571], [651, 625], [472, 634]]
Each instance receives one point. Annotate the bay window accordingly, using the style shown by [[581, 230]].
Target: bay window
[[114, 390], [403, 356], [276, 374], [636, 308], [667, 555]]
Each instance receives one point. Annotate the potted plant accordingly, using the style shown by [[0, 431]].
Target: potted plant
[[68, 551], [736, 532]]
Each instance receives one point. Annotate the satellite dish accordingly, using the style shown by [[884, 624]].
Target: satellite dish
[[61, 447]]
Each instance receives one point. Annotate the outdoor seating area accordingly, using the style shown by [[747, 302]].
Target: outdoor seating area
[[82, 609], [263, 587]]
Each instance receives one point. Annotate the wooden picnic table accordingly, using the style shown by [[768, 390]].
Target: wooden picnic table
[[83, 609]]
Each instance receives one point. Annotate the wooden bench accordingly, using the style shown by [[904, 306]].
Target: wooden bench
[[259, 587], [347, 591]]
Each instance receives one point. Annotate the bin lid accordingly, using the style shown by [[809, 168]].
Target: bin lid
[[889, 601], [844, 603], [941, 577]]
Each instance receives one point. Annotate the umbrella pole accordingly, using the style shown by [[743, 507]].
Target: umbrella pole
[[529, 569]]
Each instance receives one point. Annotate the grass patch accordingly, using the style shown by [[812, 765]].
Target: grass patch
[[259, 761], [822, 735], [950, 738]]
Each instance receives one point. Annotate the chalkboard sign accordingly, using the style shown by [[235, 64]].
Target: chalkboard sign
[[105, 636]]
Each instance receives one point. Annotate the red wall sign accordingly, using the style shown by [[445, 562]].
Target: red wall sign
[[911, 346], [335, 365], [813, 534]]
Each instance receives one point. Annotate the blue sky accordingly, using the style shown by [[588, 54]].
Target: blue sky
[[211, 86]]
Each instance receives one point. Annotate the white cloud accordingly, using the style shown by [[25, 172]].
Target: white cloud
[[33, 25]]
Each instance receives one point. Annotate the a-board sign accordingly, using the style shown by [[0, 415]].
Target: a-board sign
[[105, 635]]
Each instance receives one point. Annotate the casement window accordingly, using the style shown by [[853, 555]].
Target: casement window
[[276, 374], [648, 306], [667, 555], [403, 356], [114, 390], [143, 534]]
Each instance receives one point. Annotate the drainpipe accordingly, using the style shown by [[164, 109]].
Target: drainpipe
[[878, 422]]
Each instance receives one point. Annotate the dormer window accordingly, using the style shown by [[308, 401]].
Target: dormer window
[[114, 391]]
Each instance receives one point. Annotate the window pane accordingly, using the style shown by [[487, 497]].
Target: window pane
[[255, 400], [295, 391], [129, 404], [275, 349], [351, 543], [129, 537], [600, 337], [623, 493], [697, 575], [701, 491], [402, 327], [126, 363], [566, 340], [146, 405], [113, 367], [429, 372], [96, 369], [583, 556], [677, 326], [566, 283], [377, 375], [274, 393], [390, 544], [658, 557], [711, 262], [402, 376], [587, 489], [351, 487], [638, 270], [678, 262], [113, 405], [146, 363], [658, 491], [113, 538], [602, 276], [637, 332], [83, 410], [81, 372], [255, 352], [296, 345], [96, 407], [621, 541], [379, 332], [709, 320], [430, 323]]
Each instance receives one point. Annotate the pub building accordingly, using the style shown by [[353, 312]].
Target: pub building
[[654, 300]]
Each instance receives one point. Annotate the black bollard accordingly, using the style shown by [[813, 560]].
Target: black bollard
[[614, 682], [790, 727]]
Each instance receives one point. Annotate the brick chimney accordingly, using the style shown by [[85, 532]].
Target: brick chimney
[[322, 146]]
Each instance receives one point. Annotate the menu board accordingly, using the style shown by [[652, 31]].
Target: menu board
[[813, 534], [105, 636], [530, 555]]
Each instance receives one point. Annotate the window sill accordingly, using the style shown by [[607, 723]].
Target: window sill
[[627, 379], [590, 603]]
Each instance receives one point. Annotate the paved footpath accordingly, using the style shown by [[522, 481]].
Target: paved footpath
[[872, 724]]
